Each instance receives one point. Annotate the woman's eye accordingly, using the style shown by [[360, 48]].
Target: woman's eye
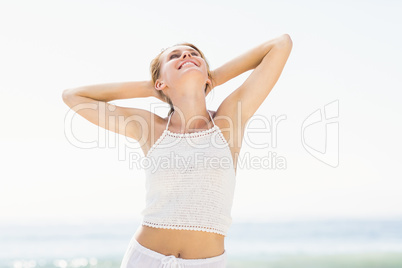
[[177, 55]]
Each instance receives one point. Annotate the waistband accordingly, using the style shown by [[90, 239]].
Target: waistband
[[171, 258]]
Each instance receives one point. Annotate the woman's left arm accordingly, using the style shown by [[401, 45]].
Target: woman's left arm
[[268, 60]]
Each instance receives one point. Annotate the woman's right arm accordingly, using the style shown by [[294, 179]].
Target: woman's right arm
[[116, 91], [91, 102]]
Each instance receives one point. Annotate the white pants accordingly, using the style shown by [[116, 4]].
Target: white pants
[[138, 256]]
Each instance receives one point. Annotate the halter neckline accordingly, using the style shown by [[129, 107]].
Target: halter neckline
[[191, 133]]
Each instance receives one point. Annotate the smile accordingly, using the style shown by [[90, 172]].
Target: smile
[[188, 63]]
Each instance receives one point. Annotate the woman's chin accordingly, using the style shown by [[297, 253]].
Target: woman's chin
[[193, 73]]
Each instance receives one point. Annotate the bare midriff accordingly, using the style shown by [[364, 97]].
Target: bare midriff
[[185, 244]]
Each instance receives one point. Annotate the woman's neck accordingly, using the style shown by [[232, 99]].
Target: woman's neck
[[190, 118]]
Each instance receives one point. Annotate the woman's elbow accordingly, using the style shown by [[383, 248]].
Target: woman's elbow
[[67, 95], [286, 40]]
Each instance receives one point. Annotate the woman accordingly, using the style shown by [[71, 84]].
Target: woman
[[187, 212]]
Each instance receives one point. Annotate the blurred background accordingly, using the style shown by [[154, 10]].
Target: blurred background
[[70, 195]]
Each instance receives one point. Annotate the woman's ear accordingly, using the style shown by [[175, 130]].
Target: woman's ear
[[208, 87], [159, 85], [211, 85], [209, 82]]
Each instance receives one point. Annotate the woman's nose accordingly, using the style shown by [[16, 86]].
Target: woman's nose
[[186, 54]]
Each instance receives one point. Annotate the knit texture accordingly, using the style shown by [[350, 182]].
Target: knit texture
[[190, 182]]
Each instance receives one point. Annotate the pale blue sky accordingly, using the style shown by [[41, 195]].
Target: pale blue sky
[[345, 51]]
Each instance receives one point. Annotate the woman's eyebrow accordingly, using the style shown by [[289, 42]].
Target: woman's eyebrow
[[176, 50]]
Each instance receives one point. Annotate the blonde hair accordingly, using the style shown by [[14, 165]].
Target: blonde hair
[[155, 69]]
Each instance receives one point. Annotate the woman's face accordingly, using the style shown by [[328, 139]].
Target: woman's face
[[183, 64]]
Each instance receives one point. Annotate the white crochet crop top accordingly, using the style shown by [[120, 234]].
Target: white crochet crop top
[[190, 182]]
